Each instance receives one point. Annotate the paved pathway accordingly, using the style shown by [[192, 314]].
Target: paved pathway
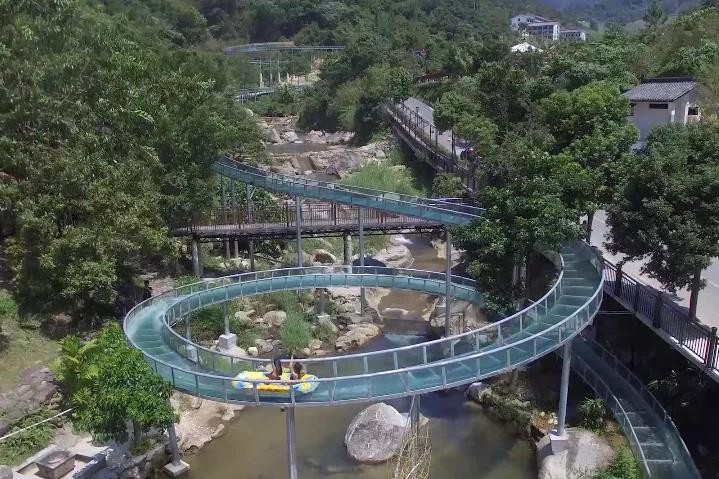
[[708, 297], [444, 139]]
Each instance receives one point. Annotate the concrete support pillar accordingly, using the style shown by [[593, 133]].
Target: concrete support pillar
[[448, 285], [223, 205], [196, 259], [250, 213], [291, 441], [298, 222], [235, 248], [558, 439], [347, 249], [360, 224], [564, 386], [226, 316], [177, 467]]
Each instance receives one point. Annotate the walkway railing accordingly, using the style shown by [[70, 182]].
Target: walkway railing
[[427, 208], [313, 214], [423, 137], [676, 461], [697, 341]]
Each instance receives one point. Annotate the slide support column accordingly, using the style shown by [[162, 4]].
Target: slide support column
[[223, 205], [558, 439], [251, 242], [196, 260], [291, 452], [448, 285], [298, 221], [361, 256], [347, 249], [235, 218]]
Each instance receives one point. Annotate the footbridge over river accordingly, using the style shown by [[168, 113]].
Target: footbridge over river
[[543, 326]]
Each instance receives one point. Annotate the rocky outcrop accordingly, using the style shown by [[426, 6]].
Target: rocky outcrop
[[201, 420], [323, 256], [290, 136], [375, 434], [357, 335], [395, 256], [344, 163], [35, 389], [587, 455]]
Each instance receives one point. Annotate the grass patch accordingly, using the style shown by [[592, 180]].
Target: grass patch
[[16, 449], [295, 333], [623, 466], [394, 175], [20, 347]]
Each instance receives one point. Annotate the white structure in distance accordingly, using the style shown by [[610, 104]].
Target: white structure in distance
[[662, 101], [544, 28]]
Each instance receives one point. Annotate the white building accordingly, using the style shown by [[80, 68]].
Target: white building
[[544, 28], [661, 101], [519, 21], [573, 35], [525, 47]]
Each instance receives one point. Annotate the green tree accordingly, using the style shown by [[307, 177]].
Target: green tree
[[654, 15], [76, 368], [590, 127], [447, 185], [667, 210], [125, 388]]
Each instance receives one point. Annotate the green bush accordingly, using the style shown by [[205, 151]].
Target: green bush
[[592, 413], [17, 448], [446, 185], [295, 334], [623, 466]]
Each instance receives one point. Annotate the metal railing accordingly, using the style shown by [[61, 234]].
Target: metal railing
[[423, 137], [671, 433], [314, 214], [427, 208], [663, 314], [439, 364]]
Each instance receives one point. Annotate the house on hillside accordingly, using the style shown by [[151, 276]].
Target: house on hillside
[[541, 27], [661, 101]]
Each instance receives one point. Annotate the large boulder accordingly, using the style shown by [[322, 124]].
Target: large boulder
[[375, 434], [587, 455], [275, 318], [356, 336], [290, 136], [5, 472], [344, 163], [323, 256]]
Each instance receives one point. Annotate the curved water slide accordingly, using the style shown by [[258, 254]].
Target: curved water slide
[[562, 313]]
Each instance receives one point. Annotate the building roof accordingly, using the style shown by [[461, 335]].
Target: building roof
[[662, 89], [524, 48], [541, 24]]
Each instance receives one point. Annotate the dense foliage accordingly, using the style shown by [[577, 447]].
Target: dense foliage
[[109, 383], [107, 134]]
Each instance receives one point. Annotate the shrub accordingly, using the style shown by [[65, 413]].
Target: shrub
[[295, 333], [592, 414], [16, 448], [446, 185], [623, 466]]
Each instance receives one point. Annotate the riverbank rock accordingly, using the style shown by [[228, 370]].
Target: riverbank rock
[[375, 434], [35, 388], [343, 163], [200, 420], [475, 391], [395, 256], [323, 256], [356, 336], [290, 136], [587, 455], [275, 318]]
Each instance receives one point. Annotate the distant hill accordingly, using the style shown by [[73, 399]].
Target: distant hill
[[622, 11]]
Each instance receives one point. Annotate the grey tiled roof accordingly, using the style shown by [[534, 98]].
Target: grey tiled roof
[[661, 90]]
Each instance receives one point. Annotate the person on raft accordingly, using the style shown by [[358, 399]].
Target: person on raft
[[276, 372], [296, 373]]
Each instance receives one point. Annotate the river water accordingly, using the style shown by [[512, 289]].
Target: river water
[[465, 442]]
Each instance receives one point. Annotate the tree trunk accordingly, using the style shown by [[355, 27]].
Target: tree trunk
[[590, 220], [694, 297], [136, 434]]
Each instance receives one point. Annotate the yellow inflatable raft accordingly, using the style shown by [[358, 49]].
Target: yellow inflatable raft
[[242, 381]]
